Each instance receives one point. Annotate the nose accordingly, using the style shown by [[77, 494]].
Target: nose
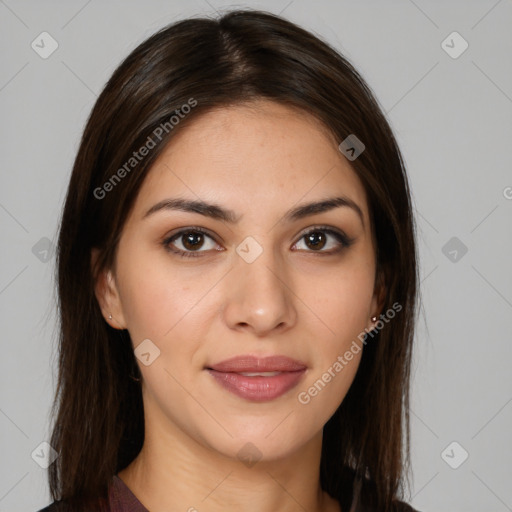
[[260, 297]]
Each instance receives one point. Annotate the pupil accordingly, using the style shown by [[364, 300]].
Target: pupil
[[316, 239], [193, 240]]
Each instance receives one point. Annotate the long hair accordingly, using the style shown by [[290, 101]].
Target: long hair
[[182, 71]]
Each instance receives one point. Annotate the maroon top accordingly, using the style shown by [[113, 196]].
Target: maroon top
[[122, 499]]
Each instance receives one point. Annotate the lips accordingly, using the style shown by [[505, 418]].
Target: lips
[[255, 364], [258, 379]]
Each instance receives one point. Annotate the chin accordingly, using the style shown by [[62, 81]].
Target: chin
[[269, 439]]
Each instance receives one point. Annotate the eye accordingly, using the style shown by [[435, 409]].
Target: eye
[[317, 239], [188, 242]]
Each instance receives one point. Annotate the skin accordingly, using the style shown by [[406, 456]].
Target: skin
[[259, 160]]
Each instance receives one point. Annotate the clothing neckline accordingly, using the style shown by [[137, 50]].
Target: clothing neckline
[[122, 499]]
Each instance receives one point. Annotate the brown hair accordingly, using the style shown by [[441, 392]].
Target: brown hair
[[210, 63]]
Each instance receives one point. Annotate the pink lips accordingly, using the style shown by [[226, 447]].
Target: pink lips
[[285, 374]]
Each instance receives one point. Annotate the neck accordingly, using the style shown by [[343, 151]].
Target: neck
[[175, 472]]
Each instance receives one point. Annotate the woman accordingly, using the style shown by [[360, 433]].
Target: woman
[[237, 278]]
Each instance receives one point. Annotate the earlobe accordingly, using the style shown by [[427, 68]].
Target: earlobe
[[107, 295]]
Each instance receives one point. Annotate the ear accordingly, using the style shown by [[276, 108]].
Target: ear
[[107, 294], [379, 297]]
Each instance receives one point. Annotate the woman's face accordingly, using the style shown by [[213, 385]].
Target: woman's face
[[260, 280]]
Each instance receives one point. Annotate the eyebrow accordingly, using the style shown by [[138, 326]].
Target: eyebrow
[[217, 212]]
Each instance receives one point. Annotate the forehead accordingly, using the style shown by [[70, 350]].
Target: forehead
[[255, 157]]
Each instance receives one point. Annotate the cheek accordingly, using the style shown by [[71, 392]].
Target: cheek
[[155, 296], [342, 302], [342, 298]]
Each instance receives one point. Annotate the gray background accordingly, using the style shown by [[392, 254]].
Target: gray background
[[452, 118]]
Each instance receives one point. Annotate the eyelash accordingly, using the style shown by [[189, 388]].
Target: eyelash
[[343, 239]]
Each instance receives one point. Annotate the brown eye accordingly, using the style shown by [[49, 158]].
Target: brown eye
[[320, 238], [315, 240], [190, 242]]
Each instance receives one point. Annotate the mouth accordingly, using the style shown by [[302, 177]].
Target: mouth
[[258, 379]]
